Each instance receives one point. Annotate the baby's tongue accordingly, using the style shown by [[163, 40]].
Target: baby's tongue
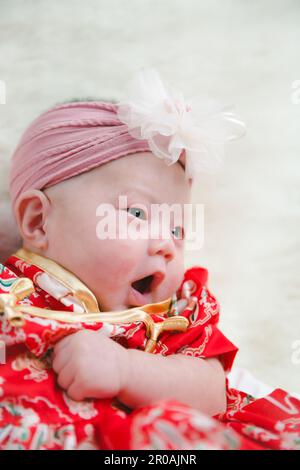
[[143, 285]]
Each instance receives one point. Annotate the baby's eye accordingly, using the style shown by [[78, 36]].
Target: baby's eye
[[178, 232], [136, 212]]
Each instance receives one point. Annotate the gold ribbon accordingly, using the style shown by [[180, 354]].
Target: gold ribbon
[[8, 302], [14, 313]]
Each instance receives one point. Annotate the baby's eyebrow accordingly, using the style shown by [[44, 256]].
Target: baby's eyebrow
[[140, 192], [143, 193]]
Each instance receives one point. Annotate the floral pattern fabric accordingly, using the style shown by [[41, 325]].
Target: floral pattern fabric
[[35, 413]]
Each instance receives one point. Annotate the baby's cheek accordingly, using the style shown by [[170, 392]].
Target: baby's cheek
[[177, 276], [170, 285], [120, 258]]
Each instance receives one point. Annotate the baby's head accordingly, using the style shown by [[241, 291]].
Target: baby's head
[[73, 163]]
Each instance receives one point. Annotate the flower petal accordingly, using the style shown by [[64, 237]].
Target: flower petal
[[159, 114]]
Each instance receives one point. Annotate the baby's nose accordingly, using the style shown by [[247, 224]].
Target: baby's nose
[[162, 246]]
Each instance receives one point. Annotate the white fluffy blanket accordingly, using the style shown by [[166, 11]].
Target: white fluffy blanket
[[240, 52]]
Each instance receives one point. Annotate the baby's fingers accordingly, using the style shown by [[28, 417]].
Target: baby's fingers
[[65, 377], [75, 392], [59, 361], [62, 343]]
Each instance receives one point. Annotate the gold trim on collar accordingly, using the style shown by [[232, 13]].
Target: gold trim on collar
[[78, 289], [22, 287]]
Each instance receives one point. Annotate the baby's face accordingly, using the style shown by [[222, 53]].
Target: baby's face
[[110, 266]]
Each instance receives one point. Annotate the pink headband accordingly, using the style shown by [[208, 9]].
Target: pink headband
[[67, 140], [73, 138]]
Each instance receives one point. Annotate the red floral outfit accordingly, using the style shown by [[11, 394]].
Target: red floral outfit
[[35, 413]]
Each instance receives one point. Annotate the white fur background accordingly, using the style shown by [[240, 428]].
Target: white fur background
[[241, 52]]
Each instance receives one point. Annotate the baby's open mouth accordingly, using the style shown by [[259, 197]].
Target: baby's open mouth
[[143, 285], [142, 289]]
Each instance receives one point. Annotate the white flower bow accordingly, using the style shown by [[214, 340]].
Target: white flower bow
[[157, 113]]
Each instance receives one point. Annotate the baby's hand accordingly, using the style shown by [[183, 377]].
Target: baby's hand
[[90, 365]]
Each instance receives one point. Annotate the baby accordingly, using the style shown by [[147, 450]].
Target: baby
[[73, 161], [109, 268], [60, 223]]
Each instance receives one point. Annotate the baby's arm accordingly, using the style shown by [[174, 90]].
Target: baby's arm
[[199, 383], [90, 365]]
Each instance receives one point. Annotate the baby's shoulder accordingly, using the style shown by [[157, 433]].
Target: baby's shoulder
[[197, 296], [197, 274]]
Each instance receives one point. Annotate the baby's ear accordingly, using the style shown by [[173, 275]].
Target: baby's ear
[[31, 211], [10, 240]]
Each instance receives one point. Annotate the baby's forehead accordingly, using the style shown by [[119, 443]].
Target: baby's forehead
[[143, 177], [139, 193]]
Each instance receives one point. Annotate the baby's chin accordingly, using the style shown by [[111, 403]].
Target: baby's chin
[[130, 300], [126, 306], [113, 307]]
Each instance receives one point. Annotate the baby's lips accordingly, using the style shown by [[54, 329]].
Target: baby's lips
[[137, 299], [158, 278]]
